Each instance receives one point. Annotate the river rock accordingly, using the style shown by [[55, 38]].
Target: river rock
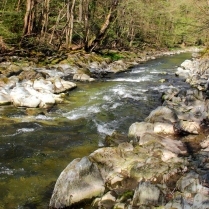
[[80, 180], [181, 72], [154, 165], [138, 129], [43, 85], [12, 69], [164, 128], [32, 74], [40, 93], [117, 170], [107, 201], [61, 85], [82, 77], [162, 114], [187, 65], [146, 194], [186, 127], [5, 99], [22, 98]]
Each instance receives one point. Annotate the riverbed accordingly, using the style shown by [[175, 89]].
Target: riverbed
[[35, 149]]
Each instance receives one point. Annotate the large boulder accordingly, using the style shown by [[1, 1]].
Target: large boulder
[[80, 181], [40, 93], [162, 114], [22, 98]]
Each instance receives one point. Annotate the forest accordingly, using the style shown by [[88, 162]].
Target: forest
[[97, 24]]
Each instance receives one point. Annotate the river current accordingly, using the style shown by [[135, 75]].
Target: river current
[[35, 149]]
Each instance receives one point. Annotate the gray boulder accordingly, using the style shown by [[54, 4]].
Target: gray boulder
[[80, 180]]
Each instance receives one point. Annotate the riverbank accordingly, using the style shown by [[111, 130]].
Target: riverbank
[[36, 83], [163, 163]]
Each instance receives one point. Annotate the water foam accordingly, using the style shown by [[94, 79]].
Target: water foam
[[20, 131], [82, 112], [135, 79]]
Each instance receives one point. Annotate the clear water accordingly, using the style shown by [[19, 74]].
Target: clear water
[[35, 149]]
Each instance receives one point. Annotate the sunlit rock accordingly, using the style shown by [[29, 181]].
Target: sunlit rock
[[43, 85], [187, 64], [138, 129], [187, 127], [82, 77], [108, 200], [146, 194], [163, 128], [80, 180], [189, 183], [22, 98], [205, 143], [162, 114], [4, 97], [182, 72]]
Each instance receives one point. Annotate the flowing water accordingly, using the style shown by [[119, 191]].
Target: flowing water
[[35, 149]]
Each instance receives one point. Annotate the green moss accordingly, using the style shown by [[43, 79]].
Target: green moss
[[126, 195], [114, 56]]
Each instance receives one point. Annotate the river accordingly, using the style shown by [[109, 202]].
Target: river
[[35, 149]]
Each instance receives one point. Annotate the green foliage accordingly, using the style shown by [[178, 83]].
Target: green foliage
[[134, 23], [113, 56]]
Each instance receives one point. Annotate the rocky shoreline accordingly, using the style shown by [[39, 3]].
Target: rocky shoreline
[[162, 163], [32, 85]]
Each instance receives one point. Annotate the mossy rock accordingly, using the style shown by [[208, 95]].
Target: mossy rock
[[115, 139]]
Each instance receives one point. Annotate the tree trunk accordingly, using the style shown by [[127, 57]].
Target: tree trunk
[[86, 20], [90, 46], [80, 10], [70, 20], [29, 18], [45, 13]]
